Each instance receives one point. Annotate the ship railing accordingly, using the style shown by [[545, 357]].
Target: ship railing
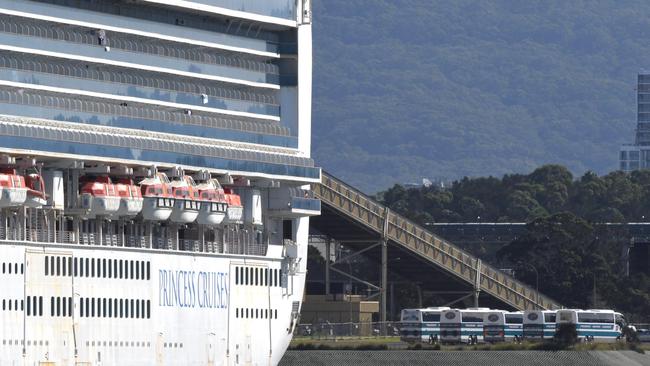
[[325, 330]]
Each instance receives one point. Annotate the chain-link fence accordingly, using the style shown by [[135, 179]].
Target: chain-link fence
[[327, 330]]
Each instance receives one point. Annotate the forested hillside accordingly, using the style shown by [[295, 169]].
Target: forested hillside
[[569, 252], [406, 89]]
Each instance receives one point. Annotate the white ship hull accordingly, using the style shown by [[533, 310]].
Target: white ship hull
[[168, 308]]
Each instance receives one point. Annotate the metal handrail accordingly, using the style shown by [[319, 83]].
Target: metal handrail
[[404, 227]]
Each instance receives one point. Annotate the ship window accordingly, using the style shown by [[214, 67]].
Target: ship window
[[104, 308], [29, 306], [131, 269], [266, 277], [132, 311], [87, 267], [81, 267], [51, 306], [110, 268], [59, 306], [3, 304], [114, 268], [276, 313], [104, 268], [121, 268], [137, 270], [46, 267], [148, 309], [121, 308], [137, 309], [81, 307], [16, 305], [246, 273], [58, 266], [22, 268], [75, 267], [70, 266], [52, 266], [110, 308], [126, 308], [115, 306], [92, 307], [40, 305], [92, 267], [257, 276], [63, 267], [16, 268], [70, 306], [148, 270], [236, 275], [237, 313]]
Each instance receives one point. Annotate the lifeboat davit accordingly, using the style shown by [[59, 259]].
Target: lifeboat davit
[[36, 196], [213, 203], [235, 212], [14, 191], [157, 198], [186, 200], [99, 197], [130, 197]]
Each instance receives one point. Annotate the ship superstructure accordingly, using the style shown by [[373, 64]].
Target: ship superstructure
[[154, 180]]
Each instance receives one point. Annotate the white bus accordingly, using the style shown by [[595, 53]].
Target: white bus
[[462, 326], [501, 326], [593, 325], [421, 325], [539, 324]]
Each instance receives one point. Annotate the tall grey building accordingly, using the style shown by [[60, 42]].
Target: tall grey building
[[637, 156]]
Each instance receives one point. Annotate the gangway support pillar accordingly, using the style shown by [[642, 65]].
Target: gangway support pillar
[[384, 273], [328, 254], [477, 282]]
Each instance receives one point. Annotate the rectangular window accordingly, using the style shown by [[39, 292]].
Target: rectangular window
[[75, 267], [92, 307], [137, 309], [148, 270], [121, 268], [70, 266], [52, 266], [29, 306], [257, 272], [92, 268], [132, 310], [142, 270], [64, 265], [52, 306], [58, 266], [70, 308], [246, 273], [148, 309], [104, 306], [110, 268], [115, 306], [104, 268], [87, 267], [110, 305], [236, 275], [131, 269], [137, 270], [40, 306], [81, 307], [47, 272], [64, 305], [81, 267], [121, 307], [114, 268]]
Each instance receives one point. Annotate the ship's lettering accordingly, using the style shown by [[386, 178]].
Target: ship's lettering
[[190, 289]]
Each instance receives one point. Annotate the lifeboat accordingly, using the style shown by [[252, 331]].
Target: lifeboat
[[36, 196], [213, 203], [98, 196], [157, 200], [235, 212], [186, 200], [13, 189], [130, 197]]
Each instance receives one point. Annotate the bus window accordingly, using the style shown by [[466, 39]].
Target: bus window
[[430, 317], [472, 318], [549, 318], [514, 319]]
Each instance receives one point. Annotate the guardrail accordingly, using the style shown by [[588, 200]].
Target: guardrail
[[401, 231]]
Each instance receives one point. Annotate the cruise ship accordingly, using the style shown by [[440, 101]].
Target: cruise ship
[[154, 180]]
